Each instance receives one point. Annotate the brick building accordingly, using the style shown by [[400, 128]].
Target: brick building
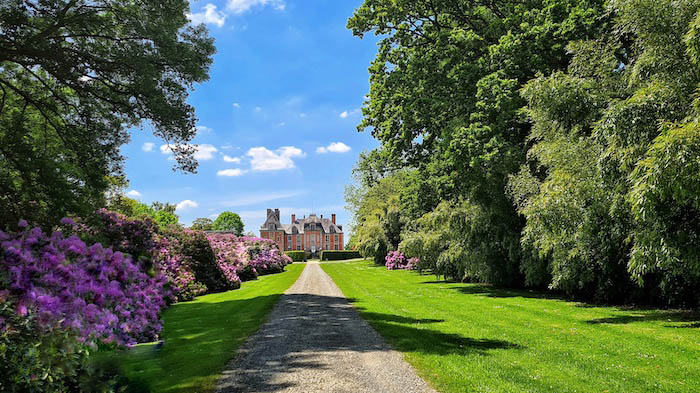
[[312, 234]]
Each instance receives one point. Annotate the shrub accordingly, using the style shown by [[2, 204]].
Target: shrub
[[101, 294], [161, 253], [33, 359], [297, 256], [337, 255], [206, 264], [396, 260], [177, 268]]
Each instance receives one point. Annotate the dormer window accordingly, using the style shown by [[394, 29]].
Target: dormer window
[[271, 226]]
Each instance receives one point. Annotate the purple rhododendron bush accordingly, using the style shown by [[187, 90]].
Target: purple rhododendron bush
[[396, 260], [104, 282], [60, 298]]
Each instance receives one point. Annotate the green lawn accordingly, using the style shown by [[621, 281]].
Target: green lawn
[[474, 338], [202, 335]]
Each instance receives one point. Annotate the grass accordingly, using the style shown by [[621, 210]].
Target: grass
[[475, 338], [201, 336]]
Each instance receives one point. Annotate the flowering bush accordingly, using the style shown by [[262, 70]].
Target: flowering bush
[[158, 253], [248, 256], [177, 268], [100, 294], [396, 260]]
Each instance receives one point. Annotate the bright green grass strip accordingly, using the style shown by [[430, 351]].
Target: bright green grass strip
[[474, 338], [201, 336]]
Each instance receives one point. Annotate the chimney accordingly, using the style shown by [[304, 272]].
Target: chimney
[[294, 218], [268, 212], [333, 218]]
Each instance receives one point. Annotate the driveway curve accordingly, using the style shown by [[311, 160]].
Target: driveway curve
[[314, 341]]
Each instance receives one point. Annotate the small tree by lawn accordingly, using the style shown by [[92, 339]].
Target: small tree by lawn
[[229, 221]]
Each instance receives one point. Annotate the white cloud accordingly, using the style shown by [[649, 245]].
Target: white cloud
[[236, 105], [241, 6], [133, 194], [263, 159], [257, 198], [209, 16], [186, 204], [345, 114], [282, 124], [258, 109], [235, 160], [335, 147], [148, 147], [231, 172], [227, 147], [203, 129], [203, 152]]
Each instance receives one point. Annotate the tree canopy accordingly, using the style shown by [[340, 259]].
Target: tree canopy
[[229, 221], [75, 76], [546, 143]]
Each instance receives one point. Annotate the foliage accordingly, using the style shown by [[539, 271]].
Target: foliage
[[75, 76], [608, 194], [297, 256], [196, 246], [202, 224], [31, 362], [444, 102], [480, 338], [455, 241], [337, 255], [546, 143], [162, 214], [228, 221]]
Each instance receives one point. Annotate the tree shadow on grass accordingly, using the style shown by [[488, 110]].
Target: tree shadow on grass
[[692, 319], [496, 292]]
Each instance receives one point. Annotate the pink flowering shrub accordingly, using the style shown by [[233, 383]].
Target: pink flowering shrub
[[396, 260], [177, 268], [248, 256], [100, 294]]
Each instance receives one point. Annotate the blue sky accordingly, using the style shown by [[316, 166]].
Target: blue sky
[[277, 119]]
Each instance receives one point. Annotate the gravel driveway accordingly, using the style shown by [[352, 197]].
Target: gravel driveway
[[314, 341]]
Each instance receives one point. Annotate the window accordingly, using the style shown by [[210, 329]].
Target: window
[[336, 238], [336, 246], [271, 226], [298, 247], [278, 238], [328, 238], [289, 239]]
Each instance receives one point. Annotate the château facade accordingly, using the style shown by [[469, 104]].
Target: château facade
[[311, 234]]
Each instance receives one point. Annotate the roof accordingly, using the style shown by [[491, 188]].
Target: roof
[[300, 226]]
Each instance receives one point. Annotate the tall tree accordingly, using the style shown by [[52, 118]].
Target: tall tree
[[611, 192], [444, 95], [75, 75]]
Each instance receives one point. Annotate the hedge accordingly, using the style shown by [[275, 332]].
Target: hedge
[[297, 256], [332, 255]]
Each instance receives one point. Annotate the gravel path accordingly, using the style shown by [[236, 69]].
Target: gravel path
[[314, 341]]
